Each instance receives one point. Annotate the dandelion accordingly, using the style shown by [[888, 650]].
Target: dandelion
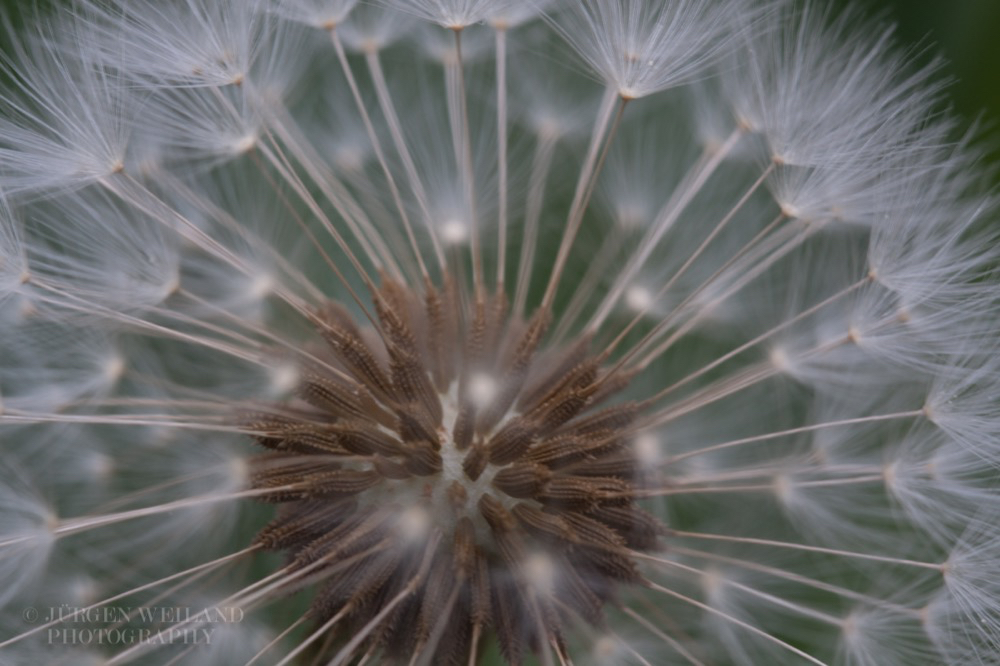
[[491, 331]]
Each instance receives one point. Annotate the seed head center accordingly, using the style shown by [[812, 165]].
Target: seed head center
[[444, 432]]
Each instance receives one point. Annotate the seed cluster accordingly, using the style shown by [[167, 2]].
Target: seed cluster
[[442, 476]]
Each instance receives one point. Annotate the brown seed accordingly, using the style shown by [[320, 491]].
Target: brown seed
[[422, 460], [498, 518], [513, 440], [390, 469], [582, 494], [475, 462], [522, 480], [640, 529], [542, 525], [590, 532], [340, 483], [514, 374], [301, 522], [352, 351], [576, 594]]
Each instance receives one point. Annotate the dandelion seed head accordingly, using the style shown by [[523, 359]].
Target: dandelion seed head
[[416, 331]]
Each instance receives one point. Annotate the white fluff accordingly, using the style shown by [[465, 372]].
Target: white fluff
[[782, 241]]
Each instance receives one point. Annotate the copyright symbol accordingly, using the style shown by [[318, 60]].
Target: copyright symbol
[[30, 615]]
